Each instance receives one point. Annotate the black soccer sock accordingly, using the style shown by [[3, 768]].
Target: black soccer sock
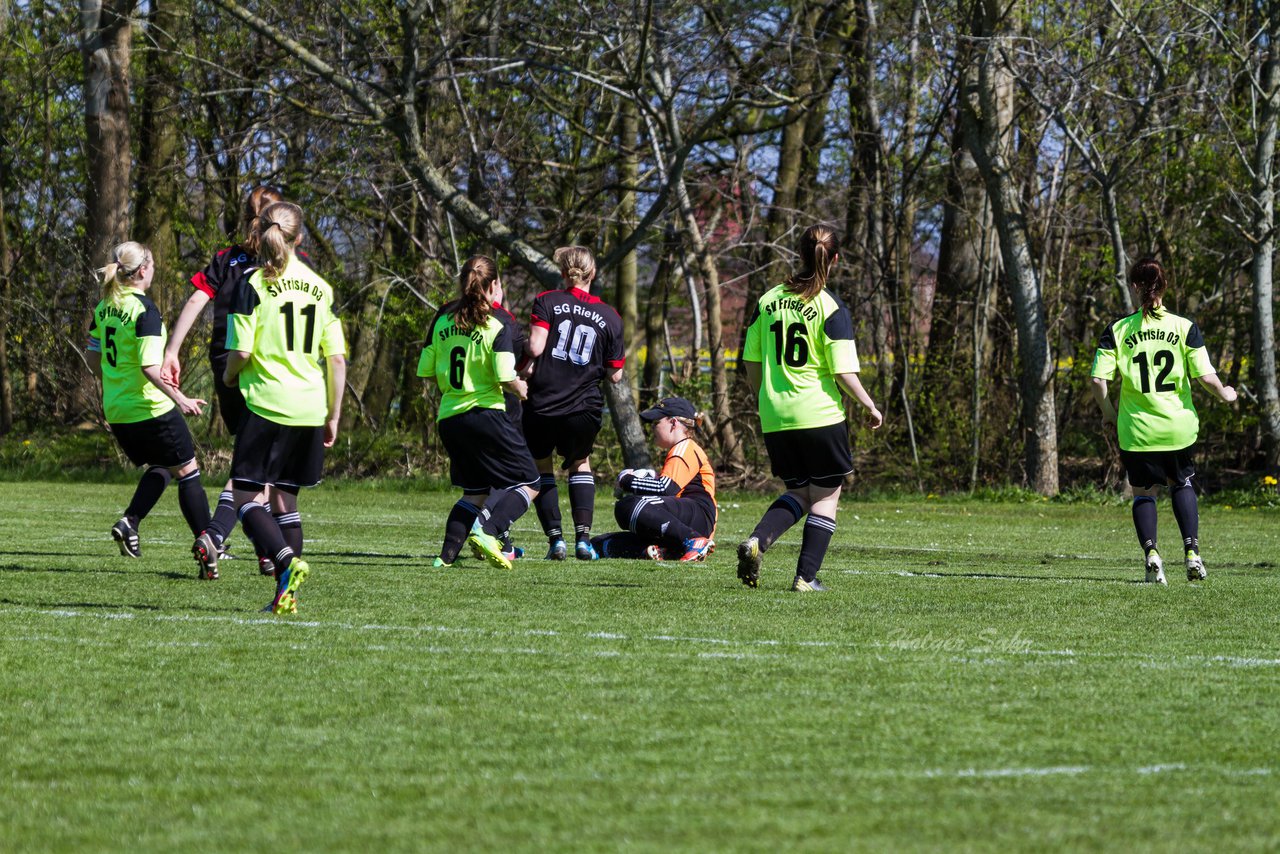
[[548, 506], [619, 544], [456, 528], [224, 518], [291, 529], [818, 531], [1144, 521], [149, 490], [1186, 511], [193, 503], [499, 515], [260, 526], [582, 503], [783, 513]]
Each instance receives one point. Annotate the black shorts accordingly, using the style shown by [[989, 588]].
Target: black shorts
[[1159, 468], [698, 515], [817, 455], [271, 454], [231, 406], [160, 441], [486, 451], [572, 436]]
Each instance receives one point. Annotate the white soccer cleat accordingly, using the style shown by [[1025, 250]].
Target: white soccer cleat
[[1155, 569], [1195, 568]]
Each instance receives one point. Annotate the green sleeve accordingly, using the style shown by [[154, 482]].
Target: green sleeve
[[751, 346], [333, 342], [842, 355], [427, 362]]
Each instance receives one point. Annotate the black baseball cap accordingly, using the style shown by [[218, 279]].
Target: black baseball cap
[[670, 407]]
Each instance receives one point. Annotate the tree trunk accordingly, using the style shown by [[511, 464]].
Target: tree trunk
[[1261, 268], [626, 299], [6, 277], [987, 111], [158, 164], [104, 45]]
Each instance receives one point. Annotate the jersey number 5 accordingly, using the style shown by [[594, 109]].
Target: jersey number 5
[[1163, 360], [795, 351], [308, 312], [574, 344], [109, 344]]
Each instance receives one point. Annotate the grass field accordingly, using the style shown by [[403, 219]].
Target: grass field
[[980, 676]]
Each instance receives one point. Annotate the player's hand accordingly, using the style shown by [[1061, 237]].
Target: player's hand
[[876, 418], [171, 369], [191, 406], [330, 432], [1229, 394]]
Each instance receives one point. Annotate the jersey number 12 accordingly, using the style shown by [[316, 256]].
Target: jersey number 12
[[1163, 360]]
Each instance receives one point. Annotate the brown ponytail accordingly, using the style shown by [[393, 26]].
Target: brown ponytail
[[275, 233], [1148, 279], [819, 247], [474, 282], [257, 199]]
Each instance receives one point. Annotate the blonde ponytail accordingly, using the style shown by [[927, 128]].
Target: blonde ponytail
[[126, 260], [275, 233], [819, 247], [577, 266]]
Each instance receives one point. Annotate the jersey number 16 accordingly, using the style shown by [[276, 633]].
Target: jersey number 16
[[794, 351]]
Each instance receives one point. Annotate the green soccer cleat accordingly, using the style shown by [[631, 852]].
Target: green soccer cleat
[[1195, 568], [286, 601], [749, 561], [488, 548], [439, 563]]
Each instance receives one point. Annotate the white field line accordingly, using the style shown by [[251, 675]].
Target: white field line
[[988, 651]]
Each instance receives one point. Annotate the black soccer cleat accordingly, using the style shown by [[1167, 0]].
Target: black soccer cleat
[[749, 561], [126, 536]]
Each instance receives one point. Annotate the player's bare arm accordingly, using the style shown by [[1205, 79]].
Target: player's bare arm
[[1225, 393]]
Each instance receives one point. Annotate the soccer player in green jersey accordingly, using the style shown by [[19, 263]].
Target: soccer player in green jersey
[[470, 352], [1157, 354], [218, 283], [281, 327], [126, 343], [799, 355]]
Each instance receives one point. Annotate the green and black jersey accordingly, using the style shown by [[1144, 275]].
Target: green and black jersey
[[130, 335], [1157, 358], [469, 365], [288, 326], [800, 345]]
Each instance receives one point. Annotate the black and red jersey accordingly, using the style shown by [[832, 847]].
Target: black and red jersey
[[221, 279], [519, 338], [584, 342]]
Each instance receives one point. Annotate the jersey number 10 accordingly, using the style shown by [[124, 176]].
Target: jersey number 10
[[309, 312], [574, 344]]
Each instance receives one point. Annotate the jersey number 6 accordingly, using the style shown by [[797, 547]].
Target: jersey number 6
[[457, 367]]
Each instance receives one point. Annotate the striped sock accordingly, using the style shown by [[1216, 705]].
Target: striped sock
[[291, 529], [261, 527], [194, 503], [548, 506], [782, 514], [818, 531], [224, 517], [582, 503]]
